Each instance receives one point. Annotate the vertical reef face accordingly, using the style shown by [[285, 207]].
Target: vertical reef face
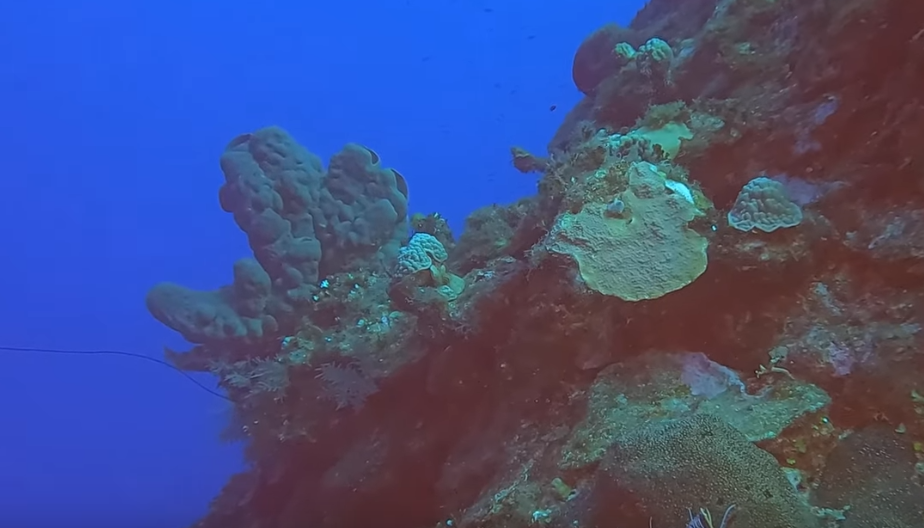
[[710, 314]]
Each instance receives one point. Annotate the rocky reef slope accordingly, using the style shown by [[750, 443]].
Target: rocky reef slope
[[709, 313]]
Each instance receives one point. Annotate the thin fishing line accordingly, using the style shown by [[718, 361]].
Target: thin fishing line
[[115, 353]]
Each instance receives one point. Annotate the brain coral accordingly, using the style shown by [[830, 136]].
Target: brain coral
[[644, 254], [763, 204], [422, 252], [699, 462]]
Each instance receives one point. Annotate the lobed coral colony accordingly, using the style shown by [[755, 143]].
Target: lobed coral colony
[[708, 316]]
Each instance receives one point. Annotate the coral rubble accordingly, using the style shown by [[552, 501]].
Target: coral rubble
[[711, 307]]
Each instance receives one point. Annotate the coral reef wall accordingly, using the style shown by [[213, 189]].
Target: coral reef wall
[[710, 314]]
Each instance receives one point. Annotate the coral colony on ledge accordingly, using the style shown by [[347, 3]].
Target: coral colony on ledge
[[709, 315]]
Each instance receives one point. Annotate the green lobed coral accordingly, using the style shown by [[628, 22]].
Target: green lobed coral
[[645, 254]]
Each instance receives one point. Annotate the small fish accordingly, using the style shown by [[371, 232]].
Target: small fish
[[552, 108]]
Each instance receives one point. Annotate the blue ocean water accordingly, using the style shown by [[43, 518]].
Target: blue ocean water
[[113, 117]]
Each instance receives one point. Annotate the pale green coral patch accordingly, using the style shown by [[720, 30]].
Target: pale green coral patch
[[645, 254], [668, 137]]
